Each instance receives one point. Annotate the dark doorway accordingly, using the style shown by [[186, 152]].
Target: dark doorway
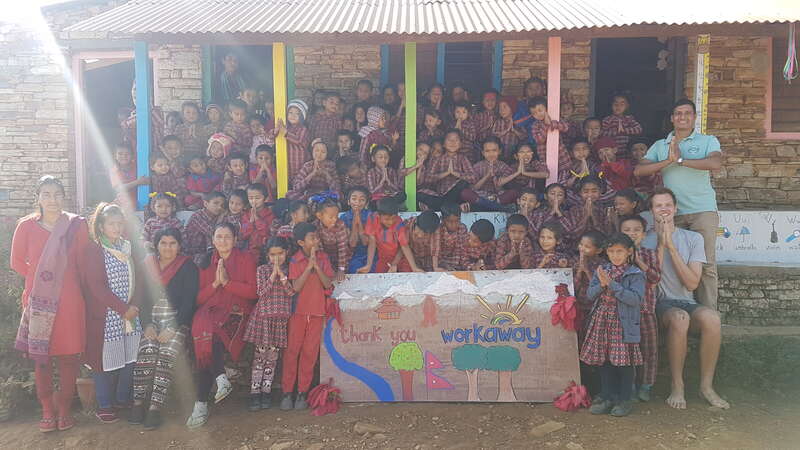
[[107, 91], [631, 65], [255, 64], [426, 65]]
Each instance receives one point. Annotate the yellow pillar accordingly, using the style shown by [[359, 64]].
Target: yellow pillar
[[279, 95]]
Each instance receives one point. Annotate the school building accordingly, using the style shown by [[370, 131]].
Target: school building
[[66, 73]]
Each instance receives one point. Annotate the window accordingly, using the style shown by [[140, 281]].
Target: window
[[783, 98]]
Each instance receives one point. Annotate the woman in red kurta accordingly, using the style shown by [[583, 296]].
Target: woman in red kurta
[[62, 270], [227, 294]]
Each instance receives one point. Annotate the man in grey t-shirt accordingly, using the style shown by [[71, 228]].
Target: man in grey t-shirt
[[682, 257]]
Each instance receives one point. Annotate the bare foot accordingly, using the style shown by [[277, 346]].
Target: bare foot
[[711, 396], [676, 399]]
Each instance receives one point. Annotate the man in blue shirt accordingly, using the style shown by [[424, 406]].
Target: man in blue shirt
[[685, 159]]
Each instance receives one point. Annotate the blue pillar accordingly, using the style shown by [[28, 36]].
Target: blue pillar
[[144, 99], [497, 66], [441, 50], [384, 65]]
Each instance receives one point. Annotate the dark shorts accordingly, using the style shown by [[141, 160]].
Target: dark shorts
[[664, 305]]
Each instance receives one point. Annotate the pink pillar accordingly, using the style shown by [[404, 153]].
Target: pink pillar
[[553, 102]]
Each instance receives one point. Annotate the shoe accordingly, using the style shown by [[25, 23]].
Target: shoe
[[65, 423], [106, 415], [622, 409], [47, 424], [286, 402], [643, 393], [300, 403], [153, 420], [255, 402], [224, 388], [266, 400], [199, 416], [137, 414], [601, 406]]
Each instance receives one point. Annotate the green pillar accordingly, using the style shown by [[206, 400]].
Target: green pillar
[[411, 123]]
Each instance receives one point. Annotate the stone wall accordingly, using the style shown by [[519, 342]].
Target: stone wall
[[525, 59], [759, 295], [179, 75], [758, 173], [336, 67]]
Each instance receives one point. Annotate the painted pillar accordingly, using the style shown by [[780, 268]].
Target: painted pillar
[[290, 86], [701, 82], [441, 51], [384, 65], [410, 50], [279, 94], [497, 66], [553, 103], [207, 74], [144, 98]]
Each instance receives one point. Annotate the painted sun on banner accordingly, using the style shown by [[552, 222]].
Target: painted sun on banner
[[453, 336]]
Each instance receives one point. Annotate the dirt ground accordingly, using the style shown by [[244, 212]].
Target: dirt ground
[[756, 421]]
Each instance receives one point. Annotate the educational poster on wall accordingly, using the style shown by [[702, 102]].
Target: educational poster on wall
[[748, 237], [450, 337]]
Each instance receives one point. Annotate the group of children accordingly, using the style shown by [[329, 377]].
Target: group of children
[[346, 189]]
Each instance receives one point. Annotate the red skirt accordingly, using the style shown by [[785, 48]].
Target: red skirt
[[603, 342]]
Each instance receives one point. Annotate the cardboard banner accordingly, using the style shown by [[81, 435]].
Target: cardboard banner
[[450, 337]]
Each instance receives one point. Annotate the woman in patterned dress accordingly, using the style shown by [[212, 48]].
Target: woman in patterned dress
[[174, 279], [113, 341], [613, 335]]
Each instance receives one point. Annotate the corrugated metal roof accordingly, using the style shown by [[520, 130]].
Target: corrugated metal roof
[[416, 17]]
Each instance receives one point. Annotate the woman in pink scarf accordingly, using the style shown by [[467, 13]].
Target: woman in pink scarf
[[63, 270]]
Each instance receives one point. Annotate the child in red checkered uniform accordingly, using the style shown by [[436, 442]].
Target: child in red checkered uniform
[[612, 338]]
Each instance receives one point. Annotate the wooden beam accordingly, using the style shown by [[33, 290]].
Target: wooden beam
[[410, 51], [279, 94], [553, 103], [144, 100], [497, 66]]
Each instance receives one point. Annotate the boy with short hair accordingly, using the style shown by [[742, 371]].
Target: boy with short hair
[[469, 131], [325, 122], [237, 176], [311, 273], [592, 126], [514, 249], [238, 128], [388, 235], [542, 124], [424, 241], [346, 144], [453, 238], [479, 254], [527, 202], [364, 89], [351, 172], [199, 182], [172, 149], [200, 227], [484, 119]]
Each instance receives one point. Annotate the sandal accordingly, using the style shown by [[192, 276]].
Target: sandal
[[199, 416], [47, 424], [65, 423]]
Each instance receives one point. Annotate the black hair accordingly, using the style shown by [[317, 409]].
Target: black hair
[[171, 231], [556, 228], [388, 206], [155, 156], [293, 207], [327, 203], [258, 187], [462, 104], [453, 131], [357, 188], [619, 239], [590, 119], [190, 104], [163, 195], [516, 219], [427, 221], [169, 138], [623, 95], [534, 80], [589, 179], [494, 140], [635, 218], [529, 190], [391, 86], [208, 196], [450, 209], [344, 163], [189, 157], [597, 238], [490, 91], [555, 185], [343, 132], [379, 148], [684, 101], [280, 208], [237, 103], [440, 140], [638, 140], [432, 112], [517, 148], [261, 119], [483, 229], [536, 101], [301, 230], [580, 140], [265, 148], [365, 82], [241, 157], [630, 195], [275, 241], [205, 259], [242, 194]]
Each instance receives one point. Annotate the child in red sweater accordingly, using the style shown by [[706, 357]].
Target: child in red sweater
[[310, 273]]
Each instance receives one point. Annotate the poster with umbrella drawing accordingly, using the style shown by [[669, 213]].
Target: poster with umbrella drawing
[[452, 336]]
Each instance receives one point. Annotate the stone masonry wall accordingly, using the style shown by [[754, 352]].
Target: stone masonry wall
[[336, 67], [179, 75], [757, 173], [759, 295], [525, 59]]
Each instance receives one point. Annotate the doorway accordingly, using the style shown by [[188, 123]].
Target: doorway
[[650, 70], [255, 66]]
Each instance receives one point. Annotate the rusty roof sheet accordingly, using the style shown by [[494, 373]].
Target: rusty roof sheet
[[417, 17]]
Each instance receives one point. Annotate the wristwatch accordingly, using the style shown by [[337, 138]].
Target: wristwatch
[[680, 161]]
